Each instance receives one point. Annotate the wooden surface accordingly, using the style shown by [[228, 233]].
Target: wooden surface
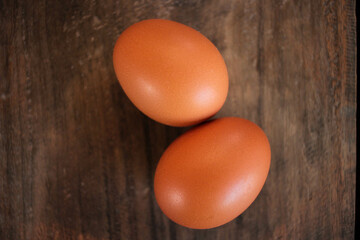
[[77, 159]]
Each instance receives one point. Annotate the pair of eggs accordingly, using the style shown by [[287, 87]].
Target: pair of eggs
[[176, 76]]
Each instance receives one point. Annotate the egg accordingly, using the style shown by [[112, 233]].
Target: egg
[[170, 72], [212, 173]]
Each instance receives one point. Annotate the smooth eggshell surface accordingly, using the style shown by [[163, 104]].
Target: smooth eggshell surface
[[170, 72], [212, 173]]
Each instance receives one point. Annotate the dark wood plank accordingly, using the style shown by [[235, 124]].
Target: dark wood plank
[[77, 159]]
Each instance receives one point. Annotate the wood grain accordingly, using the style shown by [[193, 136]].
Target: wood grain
[[77, 159]]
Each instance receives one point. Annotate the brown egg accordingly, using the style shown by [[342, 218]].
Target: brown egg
[[171, 72], [212, 173]]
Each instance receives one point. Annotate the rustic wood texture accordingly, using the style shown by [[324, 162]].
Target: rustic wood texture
[[77, 159]]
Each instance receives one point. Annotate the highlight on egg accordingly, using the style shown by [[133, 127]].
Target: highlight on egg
[[170, 72], [211, 174]]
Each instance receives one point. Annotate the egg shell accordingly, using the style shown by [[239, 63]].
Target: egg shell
[[212, 173], [170, 72]]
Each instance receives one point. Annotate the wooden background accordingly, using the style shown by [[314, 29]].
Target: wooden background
[[77, 159]]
